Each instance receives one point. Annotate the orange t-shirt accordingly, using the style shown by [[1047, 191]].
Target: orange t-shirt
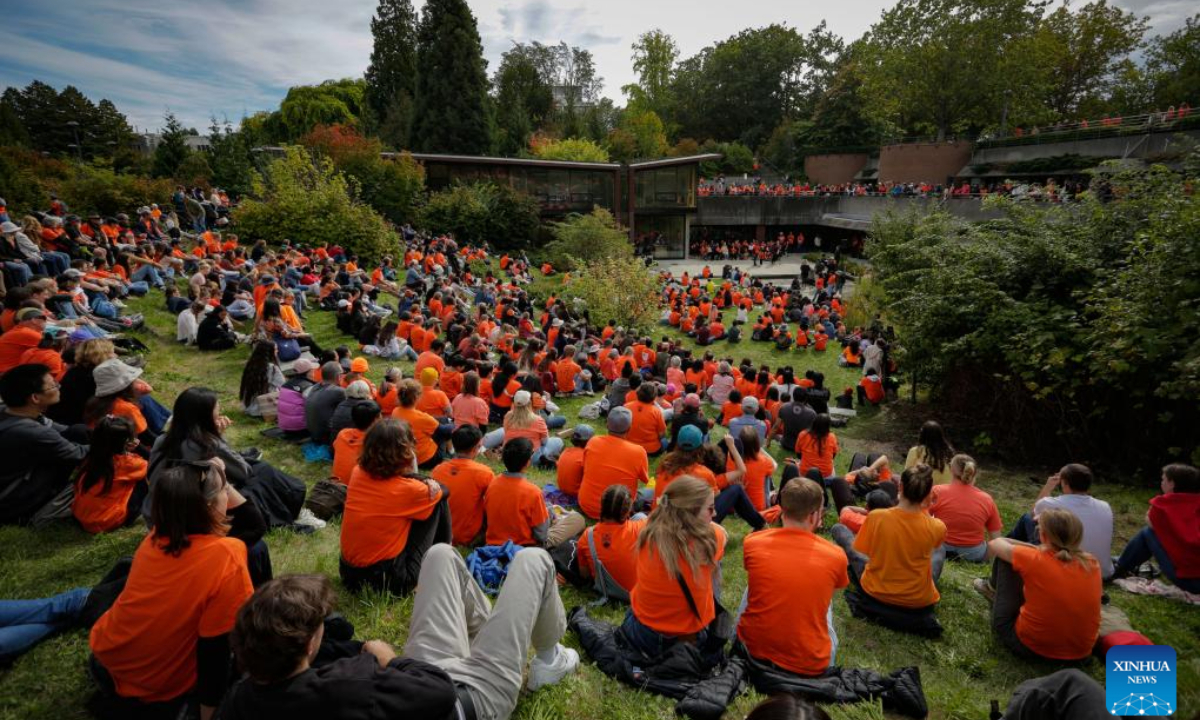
[[1060, 619], [429, 359], [810, 457], [131, 412], [967, 512], [14, 343], [536, 433], [468, 482], [648, 426], [423, 426], [387, 401], [852, 520], [49, 357], [658, 601], [347, 447], [147, 639], [469, 410], [791, 575], [378, 514], [514, 508], [755, 479], [900, 546], [566, 372], [610, 460], [615, 549], [98, 512], [729, 411], [570, 470], [433, 401], [698, 471]]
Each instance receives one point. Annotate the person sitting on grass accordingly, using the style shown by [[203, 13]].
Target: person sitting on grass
[[970, 514], [391, 518], [515, 508], [428, 433], [570, 463], [611, 459], [468, 482], [450, 669], [38, 456], [164, 644], [1075, 483], [791, 576], [932, 449], [1172, 536], [896, 556], [607, 550], [1046, 598], [680, 547], [522, 422], [348, 445], [260, 376], [112, 480]]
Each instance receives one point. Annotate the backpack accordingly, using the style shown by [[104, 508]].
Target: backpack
[[604, 583]]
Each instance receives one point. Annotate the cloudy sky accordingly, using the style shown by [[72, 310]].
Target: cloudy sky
[[233, 57]]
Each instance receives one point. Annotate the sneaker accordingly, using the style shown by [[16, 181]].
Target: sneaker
[[252, 454], [307, 519], [985, 589], [541, 673]]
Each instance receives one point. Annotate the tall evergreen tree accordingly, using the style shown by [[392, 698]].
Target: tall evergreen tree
[[451, 81], [172, 150], [392, 75], [12, 130]]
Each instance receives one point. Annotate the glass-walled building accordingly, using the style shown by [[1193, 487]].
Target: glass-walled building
[[560, 187], [655, 199]]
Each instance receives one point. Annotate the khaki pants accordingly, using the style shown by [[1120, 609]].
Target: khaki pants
[[480, 646], [565, 527]]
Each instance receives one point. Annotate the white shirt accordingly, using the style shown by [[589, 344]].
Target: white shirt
[[1097, 519], [186, 326]]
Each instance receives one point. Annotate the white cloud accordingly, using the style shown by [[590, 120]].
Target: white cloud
[[228, 57]]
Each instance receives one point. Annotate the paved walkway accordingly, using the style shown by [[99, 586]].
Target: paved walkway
[[781, 273]]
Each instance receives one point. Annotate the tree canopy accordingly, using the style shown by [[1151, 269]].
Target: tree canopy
[[451, 115], [391, 78]]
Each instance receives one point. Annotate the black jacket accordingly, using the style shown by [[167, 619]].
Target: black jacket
[[353, 688], [38, 462]]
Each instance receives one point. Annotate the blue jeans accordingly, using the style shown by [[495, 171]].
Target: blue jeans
[[581, 385], [20, 272], [1025, 530], [734, 499], [970, 553], [1145, 545], [24, 623], [57, 262], [155, 413], [555, 422], [147, 274]]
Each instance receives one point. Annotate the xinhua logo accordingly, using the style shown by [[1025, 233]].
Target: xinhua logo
[[1140, 680]]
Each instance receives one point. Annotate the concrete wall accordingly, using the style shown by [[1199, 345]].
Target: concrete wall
[[1133, 146], [768, 211], [922, 162], [834, 169]]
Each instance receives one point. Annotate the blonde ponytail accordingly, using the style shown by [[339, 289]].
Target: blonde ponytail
[[676, 530], [963, 468], [1062, 532]]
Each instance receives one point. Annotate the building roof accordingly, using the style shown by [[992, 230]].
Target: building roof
[[526, 162], [667, 162]]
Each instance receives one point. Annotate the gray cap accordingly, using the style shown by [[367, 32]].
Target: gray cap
[[749, 404], [619, 420], [583, 432]]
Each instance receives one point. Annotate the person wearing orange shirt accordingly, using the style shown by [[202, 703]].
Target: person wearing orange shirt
[[678, 572], [569, 467], [1046, 599], [27, 334], [817, 447], [648, 427], [791, 576], [759, 467], [430, 357], [894, 557], [468, 407], [166, 638], [468, 482], [426, 430], [391, 518], [432, 400], [607, 551], [970, 514], [515, 508], [612, 460], [347, 446], [567, 380], [112, 480]]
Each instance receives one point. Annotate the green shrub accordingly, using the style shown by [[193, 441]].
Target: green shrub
[[484, 212], [92, 189], [581, 239], [617, 288], [573, 149], [306, 200]]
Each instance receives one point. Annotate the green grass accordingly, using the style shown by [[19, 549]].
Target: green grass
[[962, 672]]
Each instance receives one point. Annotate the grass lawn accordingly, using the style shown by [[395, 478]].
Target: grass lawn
[[962, 672]]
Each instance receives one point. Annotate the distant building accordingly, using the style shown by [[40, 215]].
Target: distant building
[[147, 143]]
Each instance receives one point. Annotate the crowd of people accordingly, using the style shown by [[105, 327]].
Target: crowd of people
[[1052, 190], [85, 441]]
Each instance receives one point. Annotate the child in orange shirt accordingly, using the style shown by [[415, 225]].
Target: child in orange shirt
[[468, 482], [347, 446], [112, 482]]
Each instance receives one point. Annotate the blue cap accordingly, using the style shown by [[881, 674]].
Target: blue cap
[[689, 438]]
